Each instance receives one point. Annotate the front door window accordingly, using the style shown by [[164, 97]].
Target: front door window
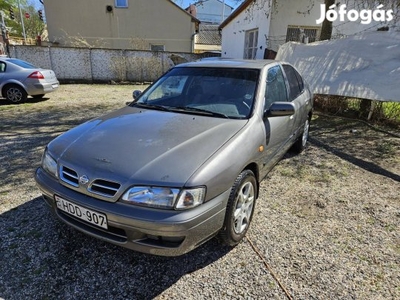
[[276, 87]]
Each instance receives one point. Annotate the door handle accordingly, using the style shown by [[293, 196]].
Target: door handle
[[291, 117]]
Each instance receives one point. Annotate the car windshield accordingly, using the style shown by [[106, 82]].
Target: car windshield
[[219, 92], [22, 64]]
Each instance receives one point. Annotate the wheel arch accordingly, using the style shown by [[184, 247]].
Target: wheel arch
[[10, 83], [254, 168]]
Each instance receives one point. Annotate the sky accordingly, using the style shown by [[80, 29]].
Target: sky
[[186, 3], [35, 3], [181, 3]]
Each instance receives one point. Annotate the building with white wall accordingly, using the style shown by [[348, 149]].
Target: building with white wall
[[210, 11], [257, 28], [242, 35]]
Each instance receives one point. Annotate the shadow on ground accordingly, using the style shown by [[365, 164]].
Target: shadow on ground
[[366, 165], [4, 102], [53, 261], [370, 148], [25, 134]]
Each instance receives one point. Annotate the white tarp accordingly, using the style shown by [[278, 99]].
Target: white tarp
[[362, 66]]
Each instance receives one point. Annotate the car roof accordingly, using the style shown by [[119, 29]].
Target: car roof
[[230, 63]]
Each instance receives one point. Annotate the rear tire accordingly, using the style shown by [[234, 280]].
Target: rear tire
[[38, 96], [15, 94], [301, 142], [240, 209]]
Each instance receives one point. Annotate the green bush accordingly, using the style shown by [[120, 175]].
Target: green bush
[[373, 111]]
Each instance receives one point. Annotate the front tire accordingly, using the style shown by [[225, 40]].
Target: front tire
[[301, 142], [15, 94], [240, 208]]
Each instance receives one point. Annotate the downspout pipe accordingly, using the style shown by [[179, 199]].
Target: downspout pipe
[[193, 40]]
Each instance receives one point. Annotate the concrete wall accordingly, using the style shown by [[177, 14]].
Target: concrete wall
[[101, 65]]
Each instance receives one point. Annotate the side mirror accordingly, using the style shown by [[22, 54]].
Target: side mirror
[[280, 109], [136, 94]]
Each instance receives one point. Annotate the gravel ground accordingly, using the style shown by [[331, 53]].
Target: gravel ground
[[327, 222]]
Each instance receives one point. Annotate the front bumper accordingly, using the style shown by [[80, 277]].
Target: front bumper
[[147, 230]]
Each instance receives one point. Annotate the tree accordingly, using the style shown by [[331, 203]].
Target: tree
[[33, 25], [13, 26], [326, 30], [5, 5]]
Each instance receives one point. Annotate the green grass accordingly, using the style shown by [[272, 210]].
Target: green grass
[[391, 110], [386, 148]]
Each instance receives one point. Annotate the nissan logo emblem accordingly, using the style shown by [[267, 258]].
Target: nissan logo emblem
[[83, 179]]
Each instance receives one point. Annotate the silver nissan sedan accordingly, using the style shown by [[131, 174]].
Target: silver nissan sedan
[[182, 163]]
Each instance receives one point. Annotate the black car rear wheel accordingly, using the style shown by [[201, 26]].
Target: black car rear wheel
[[240, 208], [15, 93]]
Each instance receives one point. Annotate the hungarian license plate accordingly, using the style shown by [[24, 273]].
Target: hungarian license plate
[[82, 213]]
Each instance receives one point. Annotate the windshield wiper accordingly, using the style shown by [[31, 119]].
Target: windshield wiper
[[200, 110], [155, 106]]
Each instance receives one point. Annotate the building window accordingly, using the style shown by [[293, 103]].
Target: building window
[[121, 3], [302, 34], [157, 47], [250, 44]]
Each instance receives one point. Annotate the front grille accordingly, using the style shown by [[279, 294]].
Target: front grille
[[104, 187], [100, 187], [69, 176]]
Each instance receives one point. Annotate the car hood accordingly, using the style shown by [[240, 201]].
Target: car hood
[[140, 146]]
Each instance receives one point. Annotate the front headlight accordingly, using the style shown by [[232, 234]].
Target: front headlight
[[164, 197], [49, 164]]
